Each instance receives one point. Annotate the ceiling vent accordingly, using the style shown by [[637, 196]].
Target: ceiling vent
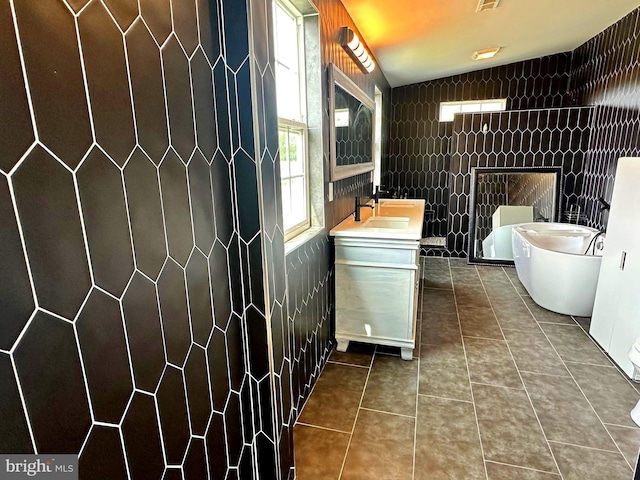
[[484, 5]]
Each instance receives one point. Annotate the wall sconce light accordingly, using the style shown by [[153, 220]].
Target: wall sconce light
[[354, 47]]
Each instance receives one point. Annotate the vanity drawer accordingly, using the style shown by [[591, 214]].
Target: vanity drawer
[[375, 254]]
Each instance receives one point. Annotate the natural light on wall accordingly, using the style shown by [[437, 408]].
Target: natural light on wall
[[449, 109]]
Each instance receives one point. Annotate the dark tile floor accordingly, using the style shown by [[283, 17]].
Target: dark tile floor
[[499, 389]]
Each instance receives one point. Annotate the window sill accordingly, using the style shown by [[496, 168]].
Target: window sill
[[301, 239]]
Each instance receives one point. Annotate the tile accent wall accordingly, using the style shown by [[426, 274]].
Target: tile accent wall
[[137, 232], [275, 441], [523, 138], [606, 73], [310, 266], [419, 155], [310, 303]]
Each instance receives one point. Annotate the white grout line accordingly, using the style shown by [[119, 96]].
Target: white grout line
[[521, 379], [496, 386], [572, 362], [483, 338], [583, 446], [344, 364], [387, 412], [355, 420], [544, 374], [322, 428], [608, 424], [444, 398], [522, 468], [466, 361], [581, 391]]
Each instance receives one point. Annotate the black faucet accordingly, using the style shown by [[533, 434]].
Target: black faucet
[[379, 192], [356, 213]]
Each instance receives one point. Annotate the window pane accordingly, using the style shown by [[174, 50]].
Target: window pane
[[296, 153], [492, 107], [298, 200], [288, 93], [469, 107], [284, 164], [286, 31], [447, 112], [286, 204], [448, 109], [287, 65]]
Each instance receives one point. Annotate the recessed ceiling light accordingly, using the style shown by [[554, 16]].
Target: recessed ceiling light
[[485, 54], [487, 5]]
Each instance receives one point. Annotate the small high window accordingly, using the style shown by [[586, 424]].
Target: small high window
[[449, 109]]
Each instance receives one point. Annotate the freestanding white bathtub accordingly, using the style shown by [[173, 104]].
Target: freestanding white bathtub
[[552, 265]]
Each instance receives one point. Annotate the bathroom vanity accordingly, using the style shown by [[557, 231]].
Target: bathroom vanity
[[377, 275]]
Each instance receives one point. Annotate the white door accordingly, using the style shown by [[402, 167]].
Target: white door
[[616, 314]]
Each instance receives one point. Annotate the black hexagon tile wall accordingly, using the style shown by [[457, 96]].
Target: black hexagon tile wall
[[135, 325], [145, 319]]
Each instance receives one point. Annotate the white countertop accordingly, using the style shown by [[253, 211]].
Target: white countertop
[[399, 219]]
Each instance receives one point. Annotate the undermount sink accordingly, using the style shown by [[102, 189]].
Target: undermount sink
[[387, 222], [397, 203]]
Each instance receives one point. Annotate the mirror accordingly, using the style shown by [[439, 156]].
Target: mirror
[[501, 198], [351, 126]]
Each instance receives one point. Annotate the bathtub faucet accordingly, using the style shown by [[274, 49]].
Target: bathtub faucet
[[604, 205]]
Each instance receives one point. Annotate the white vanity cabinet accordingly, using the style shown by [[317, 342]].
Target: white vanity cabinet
[[377, 276]]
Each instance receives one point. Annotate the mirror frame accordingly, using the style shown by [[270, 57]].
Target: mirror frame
[[475, 171], [337, 77]]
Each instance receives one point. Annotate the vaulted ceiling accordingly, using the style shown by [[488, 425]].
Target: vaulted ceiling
[[419, 40]]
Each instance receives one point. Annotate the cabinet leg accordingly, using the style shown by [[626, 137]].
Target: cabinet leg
[[406, 353], [342, 345]]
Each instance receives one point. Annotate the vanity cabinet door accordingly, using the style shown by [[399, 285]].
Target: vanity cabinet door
[[374, 302]]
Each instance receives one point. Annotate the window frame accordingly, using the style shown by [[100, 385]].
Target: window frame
[[294, 124], [479, 103], [300, 227]]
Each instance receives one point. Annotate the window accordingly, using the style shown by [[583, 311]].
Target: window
[[292, 127], [449, 109]]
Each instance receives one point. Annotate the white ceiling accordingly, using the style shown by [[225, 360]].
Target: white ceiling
[[419, 40]]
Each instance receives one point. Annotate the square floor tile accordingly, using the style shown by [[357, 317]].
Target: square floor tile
[[447, 442], [490, 362], [443, 372], [319, 453], [497, 471], [546, 316], [574, 345], [392, 385], [479, 322], [564, 412], [608, 391], [336, 397], [578, 463], [381, 447], [509, 429], [628, 441], [533, 352], [357, 354]]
